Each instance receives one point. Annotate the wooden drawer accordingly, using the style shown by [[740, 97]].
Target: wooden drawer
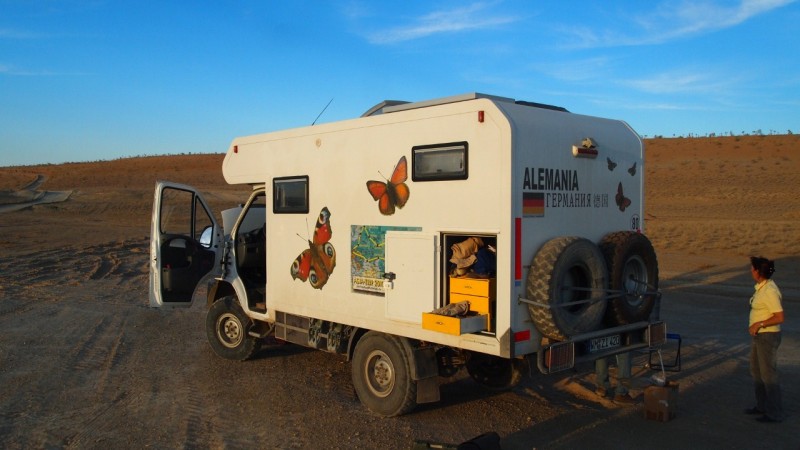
[[481, 305], [454, 325], [481, 287]]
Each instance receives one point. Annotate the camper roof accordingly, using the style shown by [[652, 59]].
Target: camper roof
[[390, 106]]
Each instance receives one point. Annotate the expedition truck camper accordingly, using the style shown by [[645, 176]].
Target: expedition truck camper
[[471, 231]]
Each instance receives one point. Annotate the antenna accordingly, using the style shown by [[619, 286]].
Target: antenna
[[304, 238], [320, 113]]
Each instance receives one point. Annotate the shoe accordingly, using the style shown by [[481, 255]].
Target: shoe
[[601, 392], [767, 419], [624, 399], [753, 411]]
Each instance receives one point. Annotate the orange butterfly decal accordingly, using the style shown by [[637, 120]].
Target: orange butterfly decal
[[394, 192], [622, 201], [316, 263]]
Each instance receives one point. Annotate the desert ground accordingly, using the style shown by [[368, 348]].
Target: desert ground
[[85, 363]]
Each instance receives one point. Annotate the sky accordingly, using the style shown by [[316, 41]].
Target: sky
[[91, 80]]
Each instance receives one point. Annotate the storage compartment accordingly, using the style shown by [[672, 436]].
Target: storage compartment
[[469, 266], [454, 325], [479, 304], [480, 287]]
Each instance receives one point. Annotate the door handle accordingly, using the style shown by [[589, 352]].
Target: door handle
[[388, 282]]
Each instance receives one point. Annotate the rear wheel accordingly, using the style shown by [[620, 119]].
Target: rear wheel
[[382, 375], [633, 274], [567, 280], [227, 330], [494, 372]]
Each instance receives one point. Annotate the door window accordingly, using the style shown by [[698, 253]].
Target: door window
[[183, 214]]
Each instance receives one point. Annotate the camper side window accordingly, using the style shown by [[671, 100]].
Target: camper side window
[[439, 162], [290, 195]]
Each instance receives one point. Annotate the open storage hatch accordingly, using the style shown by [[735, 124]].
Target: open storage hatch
[[469, 285]]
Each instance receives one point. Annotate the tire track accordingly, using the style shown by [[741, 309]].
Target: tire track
[[197, 413], [82, 358], [94, 362], [51, 275], [99, 427]]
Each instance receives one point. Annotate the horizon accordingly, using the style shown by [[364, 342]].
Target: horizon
[[96, 81], [222, 153]]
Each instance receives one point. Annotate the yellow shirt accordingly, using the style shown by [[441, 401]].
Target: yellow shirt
[[765, 302]]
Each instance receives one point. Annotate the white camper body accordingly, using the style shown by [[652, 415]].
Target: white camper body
[[351, 228]]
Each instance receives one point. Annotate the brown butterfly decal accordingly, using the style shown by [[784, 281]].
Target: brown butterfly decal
[[632, 169], [316, 263], [622, 201], [611, 164], [394, 192]]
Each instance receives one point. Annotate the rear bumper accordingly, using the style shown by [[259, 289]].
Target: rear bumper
[[564, 355]]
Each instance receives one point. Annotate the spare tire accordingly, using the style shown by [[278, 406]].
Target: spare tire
[[633, 276], [567, 280]]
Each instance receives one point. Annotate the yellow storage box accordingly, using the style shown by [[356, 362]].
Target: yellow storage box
[[454, 325], [479, 292], [480, 305], [481, 287]]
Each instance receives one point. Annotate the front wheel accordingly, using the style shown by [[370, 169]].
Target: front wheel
[[227, 330], [382, 375]]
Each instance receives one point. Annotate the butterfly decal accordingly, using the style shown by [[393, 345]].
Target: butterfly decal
[[394, 192], [632, 170], [622, 201], [611, 164], [316, 263]]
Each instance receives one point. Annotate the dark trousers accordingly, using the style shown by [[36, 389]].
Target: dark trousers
[[764, 369]]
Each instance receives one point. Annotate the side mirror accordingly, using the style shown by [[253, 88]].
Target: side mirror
[[205, 236]]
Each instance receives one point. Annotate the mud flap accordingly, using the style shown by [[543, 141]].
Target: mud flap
[[426, 374], [428, 390]]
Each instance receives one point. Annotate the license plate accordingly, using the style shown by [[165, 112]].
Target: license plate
[[604, 343]]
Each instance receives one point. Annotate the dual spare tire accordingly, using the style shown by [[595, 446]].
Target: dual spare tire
[[575, 286]]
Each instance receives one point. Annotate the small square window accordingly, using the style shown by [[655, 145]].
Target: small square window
[[439, 162], [290, 195]]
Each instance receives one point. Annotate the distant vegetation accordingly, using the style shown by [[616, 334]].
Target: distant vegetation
[[758, 132]]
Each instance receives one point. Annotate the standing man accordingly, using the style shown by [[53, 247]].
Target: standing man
[[621, 395], [766, 317]]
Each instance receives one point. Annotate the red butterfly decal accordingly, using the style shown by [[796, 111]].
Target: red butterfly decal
[[622, 201], [392, 193], [316, 263]]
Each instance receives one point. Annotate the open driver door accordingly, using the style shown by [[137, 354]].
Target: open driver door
[[185, 244]]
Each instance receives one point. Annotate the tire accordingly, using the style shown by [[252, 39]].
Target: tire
[[563, 263], [382, 375], [495, 373], [632, 269], [227, 330]]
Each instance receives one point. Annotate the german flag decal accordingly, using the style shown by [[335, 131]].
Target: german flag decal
[[533, 204]]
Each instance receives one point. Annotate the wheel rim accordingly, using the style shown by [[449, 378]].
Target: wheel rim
[[379, 373], [229, 330], [635, 280]]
